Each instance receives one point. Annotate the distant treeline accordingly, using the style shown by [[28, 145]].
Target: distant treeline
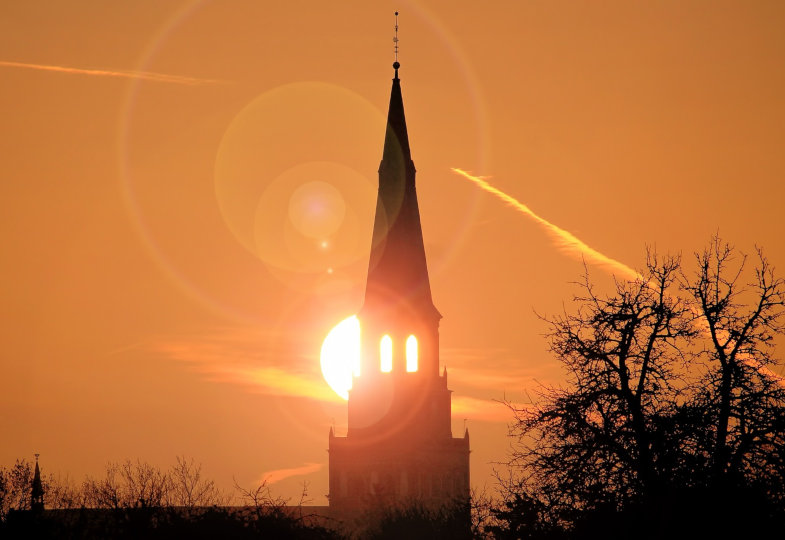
[[134, 499]]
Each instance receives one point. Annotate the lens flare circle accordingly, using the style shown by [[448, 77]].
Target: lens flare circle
[[340, 355], [316, 209], [309, 219], [354, 139], [290, 136]]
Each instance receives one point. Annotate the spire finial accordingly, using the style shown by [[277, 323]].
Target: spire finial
[[396, 64]]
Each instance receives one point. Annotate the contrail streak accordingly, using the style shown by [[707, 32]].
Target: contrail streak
[[570, 242], [565, 239], [144, 75]]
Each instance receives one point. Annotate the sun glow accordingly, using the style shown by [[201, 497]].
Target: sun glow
[[340, 357]]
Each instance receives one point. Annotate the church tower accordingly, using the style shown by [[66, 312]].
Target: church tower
[[399, 448]]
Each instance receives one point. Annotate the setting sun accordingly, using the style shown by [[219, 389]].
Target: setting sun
[[340, 356]]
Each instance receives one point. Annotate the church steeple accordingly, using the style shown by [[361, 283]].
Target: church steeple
[[37, 491], [399, 322], [398, 283], [399, 446]]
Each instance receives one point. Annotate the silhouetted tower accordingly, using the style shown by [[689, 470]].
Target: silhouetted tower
[[399, 446], [37, 491]]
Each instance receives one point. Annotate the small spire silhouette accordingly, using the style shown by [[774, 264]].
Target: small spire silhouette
[[396, 64], [37, 491]]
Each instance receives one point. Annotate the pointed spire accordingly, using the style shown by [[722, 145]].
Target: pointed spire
[[396, 139], [398, 272], [37, 491]]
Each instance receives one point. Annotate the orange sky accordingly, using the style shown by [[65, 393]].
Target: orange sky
[[161, 293]]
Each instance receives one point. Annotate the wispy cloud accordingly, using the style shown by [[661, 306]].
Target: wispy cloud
[[276, 475], [244, 357], [125, 74], [564, 239], [275, 382]]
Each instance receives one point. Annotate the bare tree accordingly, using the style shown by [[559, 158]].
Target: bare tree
[[592, 443], [15, 483], [146, 485], [188, 488], [741, 396], [61, 493], [106, 492], [483, 515], [261, 499], [671, 395], [127, 485]]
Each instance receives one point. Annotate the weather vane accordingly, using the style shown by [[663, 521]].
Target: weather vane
[[395, 41]]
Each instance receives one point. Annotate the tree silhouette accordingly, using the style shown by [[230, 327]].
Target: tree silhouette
[[416, 521], [671, 411], [15, 485], [740, 396], [189, 488]]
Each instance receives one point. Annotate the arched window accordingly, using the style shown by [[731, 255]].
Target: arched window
[[411, 354], [386, 354]]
